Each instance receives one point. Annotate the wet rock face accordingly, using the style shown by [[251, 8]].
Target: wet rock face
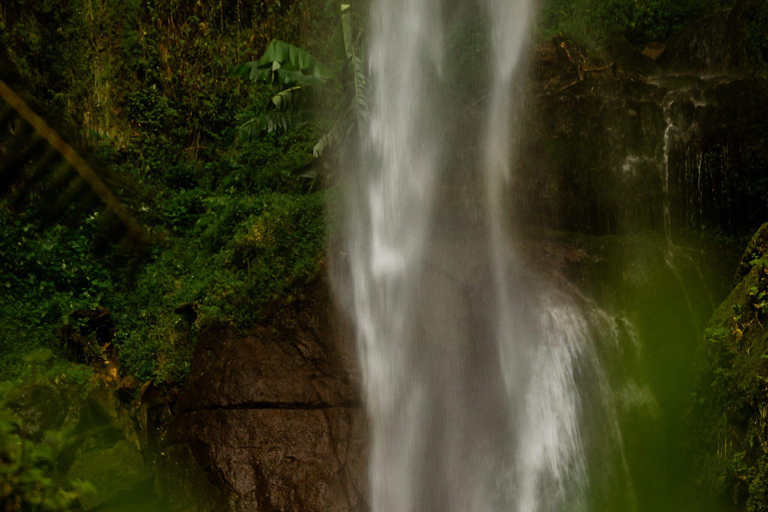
[[611, 153], [274, 418], [713, 44], [592, 147], [280, 459]]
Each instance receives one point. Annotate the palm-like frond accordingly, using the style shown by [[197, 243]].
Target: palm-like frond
[[270, 122], [338, 133], [359, 80], [299, 76]]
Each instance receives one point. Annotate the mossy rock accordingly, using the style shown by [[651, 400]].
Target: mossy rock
[[755, 250], [733, 407]]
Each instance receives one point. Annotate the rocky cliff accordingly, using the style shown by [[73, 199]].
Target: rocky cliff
[[273, 416], [622, 144]]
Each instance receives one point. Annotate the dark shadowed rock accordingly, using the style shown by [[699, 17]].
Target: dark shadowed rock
[[264, 370], [274, 417], [714, 44], [603, 155], [629, 58], [654, 50]]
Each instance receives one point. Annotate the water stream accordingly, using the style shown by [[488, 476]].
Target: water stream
[[471, 363]]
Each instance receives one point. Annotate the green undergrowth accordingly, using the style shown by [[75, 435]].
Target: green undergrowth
[[71, 446], [228, 256], [26, 473], [239, 256]]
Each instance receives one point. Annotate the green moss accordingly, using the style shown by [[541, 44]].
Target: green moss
[[111, 471], [733, 404]]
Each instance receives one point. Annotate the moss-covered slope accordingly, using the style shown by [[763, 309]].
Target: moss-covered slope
[[733, 404]]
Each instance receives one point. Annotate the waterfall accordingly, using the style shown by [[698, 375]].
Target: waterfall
[[472, 365]]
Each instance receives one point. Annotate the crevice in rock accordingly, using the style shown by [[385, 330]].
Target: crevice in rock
[[286, 406]]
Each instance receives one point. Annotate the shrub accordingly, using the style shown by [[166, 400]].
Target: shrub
[[242, 254]]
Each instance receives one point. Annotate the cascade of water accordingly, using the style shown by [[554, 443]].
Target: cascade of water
[[699, 188], [389, 215], [470, 362], [538, 360], [667, 150]]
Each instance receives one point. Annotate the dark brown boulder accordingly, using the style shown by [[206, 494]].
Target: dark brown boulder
[[274, 417]]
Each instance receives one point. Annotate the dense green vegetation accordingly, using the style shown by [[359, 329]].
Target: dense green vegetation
[[591, 22], [146, 82], [598, 23]]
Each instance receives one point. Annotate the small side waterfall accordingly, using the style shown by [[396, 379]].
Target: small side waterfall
[[473, 366]]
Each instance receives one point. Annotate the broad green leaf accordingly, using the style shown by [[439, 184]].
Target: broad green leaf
[[284, 62], [295, 59], [358, 70]]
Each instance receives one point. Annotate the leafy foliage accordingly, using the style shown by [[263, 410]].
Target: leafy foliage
[[297, 78], [41, 165], [242, 254], [300, 81], [45, 275]]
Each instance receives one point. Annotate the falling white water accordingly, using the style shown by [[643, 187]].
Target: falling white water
[[470, 361], [668, 140]]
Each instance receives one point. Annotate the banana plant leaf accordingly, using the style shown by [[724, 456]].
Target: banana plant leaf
[[285, 64]]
